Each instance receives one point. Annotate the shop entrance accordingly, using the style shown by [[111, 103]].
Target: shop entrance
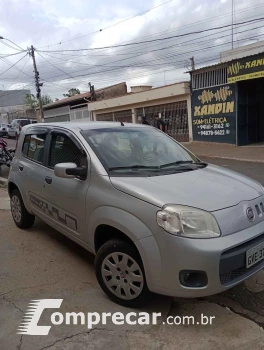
[[250, 111]]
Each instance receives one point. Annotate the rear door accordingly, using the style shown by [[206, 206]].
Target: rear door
[[65, 199], [29, 167]]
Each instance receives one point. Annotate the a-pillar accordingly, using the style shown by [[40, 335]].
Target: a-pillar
[[134, 115]]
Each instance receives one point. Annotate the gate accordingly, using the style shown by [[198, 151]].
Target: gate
[[174, 115]]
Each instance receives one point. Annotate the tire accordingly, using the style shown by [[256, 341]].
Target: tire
[[125, 283], [22, 218]]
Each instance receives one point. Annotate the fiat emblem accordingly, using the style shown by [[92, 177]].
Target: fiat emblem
[[250, 214]]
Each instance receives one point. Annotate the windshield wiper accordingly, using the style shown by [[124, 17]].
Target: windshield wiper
[[134, 167], [182, 162]]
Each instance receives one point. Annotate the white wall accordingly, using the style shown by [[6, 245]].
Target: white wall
[[242, 51]]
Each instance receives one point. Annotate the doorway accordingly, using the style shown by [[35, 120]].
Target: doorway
[[250, 111]]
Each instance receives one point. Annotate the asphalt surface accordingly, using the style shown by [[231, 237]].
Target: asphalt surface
[[41, 263]]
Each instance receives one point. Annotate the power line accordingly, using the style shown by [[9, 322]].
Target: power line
[[14, 44], [11, 47], [157, 39], [20, 71], [155, 50], [13, 65], [11, 54], [120, 67], [112, 25], [166, 31], [55, 66]]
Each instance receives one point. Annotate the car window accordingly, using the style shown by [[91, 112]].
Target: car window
[[24, 122], [64, 150], [33, 147]]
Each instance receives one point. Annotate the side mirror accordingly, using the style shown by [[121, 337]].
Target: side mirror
[[69, 171]]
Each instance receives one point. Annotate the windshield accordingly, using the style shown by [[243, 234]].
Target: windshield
[[135, 151]]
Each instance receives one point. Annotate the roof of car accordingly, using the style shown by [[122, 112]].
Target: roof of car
[[85, 125]]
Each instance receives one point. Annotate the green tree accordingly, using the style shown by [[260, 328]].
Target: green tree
[[46, 99], [31, 101], [72, 92]]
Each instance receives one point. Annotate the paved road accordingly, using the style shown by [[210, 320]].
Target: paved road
[[40, 263]]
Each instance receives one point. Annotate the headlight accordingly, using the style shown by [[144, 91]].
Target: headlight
[[187, 222]]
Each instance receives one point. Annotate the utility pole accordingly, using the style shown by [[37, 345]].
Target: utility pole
[[192, 63], [92, 92], [232, 24], [38, 84]]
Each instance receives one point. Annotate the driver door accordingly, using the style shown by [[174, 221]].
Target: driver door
[[65, 198]]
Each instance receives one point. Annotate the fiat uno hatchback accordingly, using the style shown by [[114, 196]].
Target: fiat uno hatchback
[[157, 218]]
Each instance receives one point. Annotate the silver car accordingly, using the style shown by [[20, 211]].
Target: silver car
[[156, 217]]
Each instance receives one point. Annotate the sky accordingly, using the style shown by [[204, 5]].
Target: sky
[[54, 26]]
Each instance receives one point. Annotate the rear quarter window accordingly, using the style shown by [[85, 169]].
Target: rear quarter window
[[33, 147]]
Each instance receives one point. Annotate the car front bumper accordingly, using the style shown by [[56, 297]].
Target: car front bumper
[[223, 260], [3, 133]]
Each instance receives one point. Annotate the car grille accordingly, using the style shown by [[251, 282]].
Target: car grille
[[259, 209], [232, 265], [237, 274]]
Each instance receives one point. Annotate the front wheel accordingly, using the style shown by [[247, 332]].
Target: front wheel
[[22, 218], [120, 273]]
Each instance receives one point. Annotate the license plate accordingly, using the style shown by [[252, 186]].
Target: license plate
[[255, 254]]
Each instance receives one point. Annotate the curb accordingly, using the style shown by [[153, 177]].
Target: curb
[[231, 158]]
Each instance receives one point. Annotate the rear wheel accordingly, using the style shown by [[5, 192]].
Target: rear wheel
[[22, 218], [120, 273]]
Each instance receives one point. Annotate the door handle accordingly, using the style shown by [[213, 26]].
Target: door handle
[[21, 168], [48, 180]]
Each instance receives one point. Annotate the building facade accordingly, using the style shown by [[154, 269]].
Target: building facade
[[171, 103], [76, 107], [228, 101], [12, 101]]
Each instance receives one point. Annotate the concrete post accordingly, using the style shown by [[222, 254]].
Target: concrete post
[[134, 115], [189, 112]]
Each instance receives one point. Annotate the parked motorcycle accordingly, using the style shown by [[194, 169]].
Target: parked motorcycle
[[6, 155]]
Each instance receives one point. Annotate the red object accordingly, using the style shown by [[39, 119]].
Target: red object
[[3, 143]]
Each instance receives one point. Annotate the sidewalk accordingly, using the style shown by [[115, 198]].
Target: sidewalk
[[221, 150], [4, 200]]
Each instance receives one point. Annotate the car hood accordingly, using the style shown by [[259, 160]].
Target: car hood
[[211, 188]]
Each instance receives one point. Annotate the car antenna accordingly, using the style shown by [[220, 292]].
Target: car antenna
[[122, 124]]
